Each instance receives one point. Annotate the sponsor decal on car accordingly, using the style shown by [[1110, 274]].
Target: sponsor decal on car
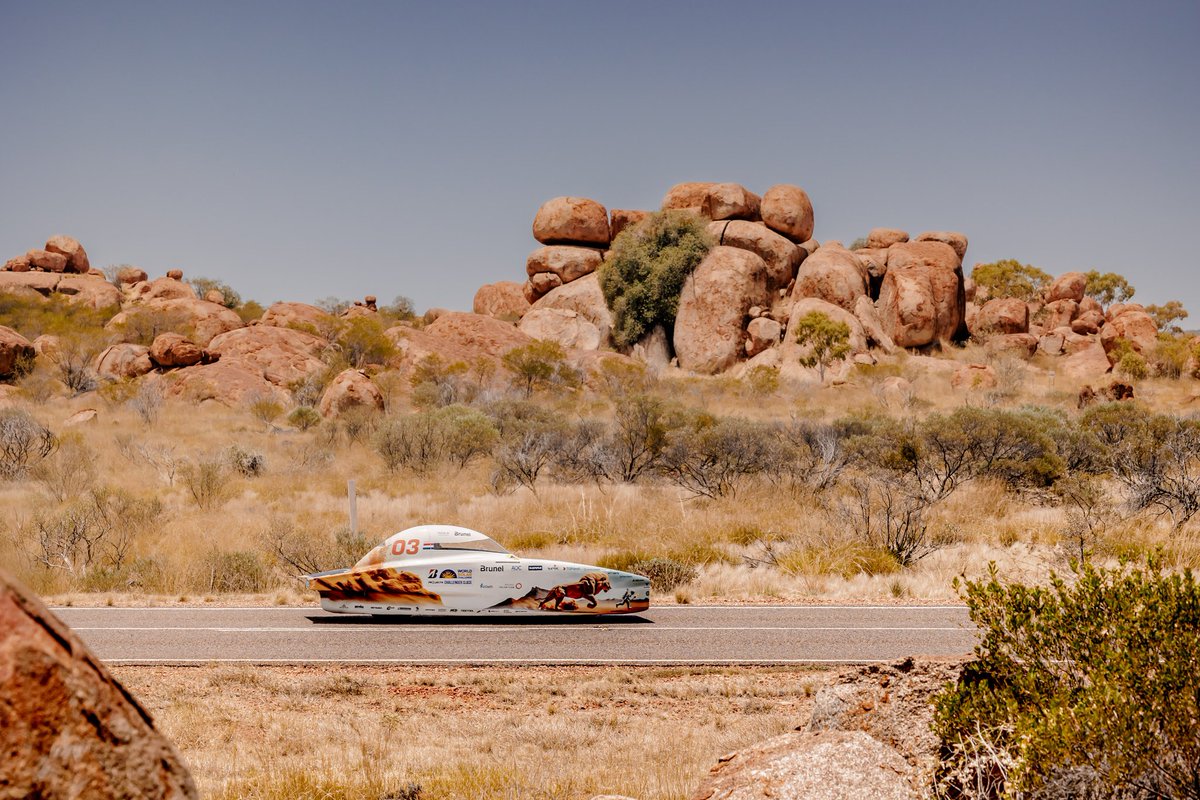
[[486, 568], [449, 576], [535, 567]]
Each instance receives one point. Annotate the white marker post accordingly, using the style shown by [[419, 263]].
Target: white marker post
[[353, 506]]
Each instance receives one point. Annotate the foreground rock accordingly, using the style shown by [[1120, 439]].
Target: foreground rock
[[709, 326], [827, 765], [67, 728], [893, 703]]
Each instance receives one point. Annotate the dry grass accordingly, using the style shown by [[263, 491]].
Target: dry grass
[[540, 732], [813, 555]]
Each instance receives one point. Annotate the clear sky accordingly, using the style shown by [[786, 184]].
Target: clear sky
[[298, 150]]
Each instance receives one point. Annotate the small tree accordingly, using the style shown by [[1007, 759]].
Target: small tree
[[1166, 315], [1108, 288], [646, 269], [1010, 278], [539, 364], [23, 442], [363, 341], [230, 298], [827, 341]]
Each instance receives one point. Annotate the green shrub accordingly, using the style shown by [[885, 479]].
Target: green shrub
[[1171, 355], [1010, 278], [1133, 366], [362, 341], [540, 364], [1088, 686], [203, 286], [665, 573], [303, 417], [646, 269], [427, 439]]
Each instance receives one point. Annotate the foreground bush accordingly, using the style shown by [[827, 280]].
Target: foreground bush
[[1080, 689]]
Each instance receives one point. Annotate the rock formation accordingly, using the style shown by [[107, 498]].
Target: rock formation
[[350, 389], [67, 727]]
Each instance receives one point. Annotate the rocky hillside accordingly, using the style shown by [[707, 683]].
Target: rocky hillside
[[738, 310]]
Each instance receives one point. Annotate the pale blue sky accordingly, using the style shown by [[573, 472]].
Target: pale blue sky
[[297, 150]]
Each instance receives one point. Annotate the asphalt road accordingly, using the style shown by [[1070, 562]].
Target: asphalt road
[[667, 635]]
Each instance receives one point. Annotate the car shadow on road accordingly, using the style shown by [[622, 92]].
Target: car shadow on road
[[480, 619]]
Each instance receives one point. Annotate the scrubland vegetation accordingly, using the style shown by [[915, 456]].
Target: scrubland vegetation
[[728, 488]]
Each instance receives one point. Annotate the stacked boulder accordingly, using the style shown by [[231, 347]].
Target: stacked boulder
[[745, 299], [62, 254], [575, 233], [1064, 322], [62, 268]]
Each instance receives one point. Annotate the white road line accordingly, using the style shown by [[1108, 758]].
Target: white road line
[[422, 628], [653, 609]]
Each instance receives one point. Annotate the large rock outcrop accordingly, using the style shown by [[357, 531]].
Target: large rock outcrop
[[68, 729], [710, 323], [502, 299], [284, 355], [350, 389], [123, 360], [203, 320], [922, 300], [790, 352], [72, 250], [833, 274], [230, 382], [174, 350], [780, 254], [730, 201], [567, 262], [686, 196], [584, 297], [295, 315], [564, 326]]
